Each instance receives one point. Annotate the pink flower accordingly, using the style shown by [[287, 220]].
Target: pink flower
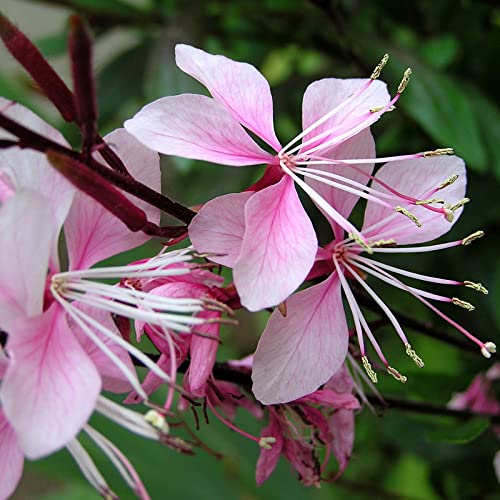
[[323, 419], [299, 352], [264, 233]]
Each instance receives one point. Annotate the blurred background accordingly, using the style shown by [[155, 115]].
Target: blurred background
[[452, 47]]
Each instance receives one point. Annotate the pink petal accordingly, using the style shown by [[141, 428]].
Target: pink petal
[[360, 146], [341, 382], [50, 387], [203, 350], [240, 87], [197, 127], [113, 379], [28, 169], [416, 178], [268, 459], [27, 239], [279, 247], [327, 397], [11, 458], [298, 353], [94, 234], [342, 427], [324, 95], [219, 227]]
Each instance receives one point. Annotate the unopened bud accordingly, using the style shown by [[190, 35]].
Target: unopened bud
[[379, 67], [474, 236], [414, 356], [157, 420], [405, 81], [408, 214], [266, 442], [462, 303], [369, 370], [397, 375], [476, 286]]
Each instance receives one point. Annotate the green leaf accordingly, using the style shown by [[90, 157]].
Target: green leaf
[[106, 7], [440, 52], [53, 45], [462, 433]]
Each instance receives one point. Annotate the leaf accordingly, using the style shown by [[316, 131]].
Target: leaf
[[462, 433], [440, 52], [106, 7], [53, 45]]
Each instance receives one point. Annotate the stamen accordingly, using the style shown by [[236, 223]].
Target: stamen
[[157, 420], [439, 152], [363, 244], [369, 370], [448, 182], [462, 303], [459, 204], [405, 81], [379, 108], [397, 375], [476, 286], [266, 442], [414, 356], [472, 237], [449, 215], [488, 349], [379, 67], [383, 243], [429, 201], [408, 214]]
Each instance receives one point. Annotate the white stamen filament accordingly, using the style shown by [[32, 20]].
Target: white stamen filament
[[421, 249]]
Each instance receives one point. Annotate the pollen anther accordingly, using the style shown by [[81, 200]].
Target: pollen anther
[[414, 356], [384, 243], [397, 375], [439, 152], [408, 214], [462, 303], [266, 442], [361, 242], [476, 286], [459, 204], [429, 201], [448, 182], [405, 81], [488, 349], [369, 370], [474, 236], [379, 67], [157, 420]]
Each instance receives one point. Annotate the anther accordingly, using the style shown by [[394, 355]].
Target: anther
[[413, 355], [379, 67], [397, 375], [408, 214], [462, 303], [459, 204], [157, 420], [474, 236], [405, 81], [429, 201], [266, 442], [369, 370], [282, 308], [361, 242], [488, 349], [383, 243], [448, 182], [439, 152], [476, 286], [449, 215]]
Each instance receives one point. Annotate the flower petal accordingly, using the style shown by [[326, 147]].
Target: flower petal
[[324, 95], [197, 127], [416, 178], [94, 234], [50, 387], [219, 226], [269, 458], [27, 239], [279, 247], [298, 353], [240, 87], [11, 458], [342, 428], [360, 146]]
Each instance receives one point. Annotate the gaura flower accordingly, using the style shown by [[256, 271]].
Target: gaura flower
[[299, 352], [276, 249], [54, 320]]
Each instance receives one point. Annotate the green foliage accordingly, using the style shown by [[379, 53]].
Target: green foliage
[[462, 433]]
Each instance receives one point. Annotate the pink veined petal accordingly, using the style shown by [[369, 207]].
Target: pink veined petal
[[240, 87], [197, 127], [113, 379], [27, 237], [341, 382], [50, 388], [342, 428], [416, 177], [298, 353], [279, 247], [26, 169], [327, 397], [203, 350], [11, 459], [219, 226], [268, 459], [94, 234], [360, 146], [324, 95]]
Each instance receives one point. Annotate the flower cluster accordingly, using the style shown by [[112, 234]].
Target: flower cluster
[[67, 330]]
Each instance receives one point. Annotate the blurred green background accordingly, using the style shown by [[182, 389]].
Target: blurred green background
[[452, 47]]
